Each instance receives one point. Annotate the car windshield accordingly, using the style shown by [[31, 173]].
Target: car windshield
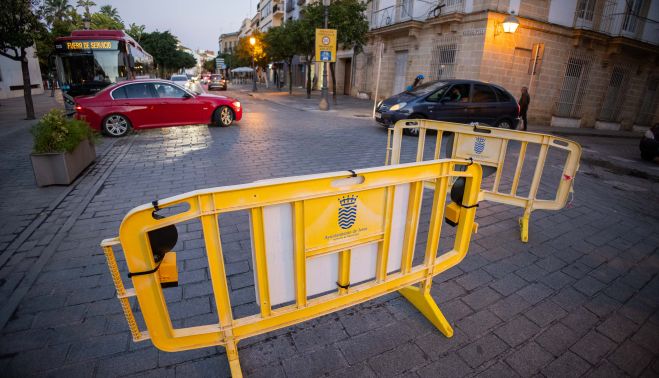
[[216, 77], [426, 88]]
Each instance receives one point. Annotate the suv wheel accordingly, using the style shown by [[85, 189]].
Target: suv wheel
[[504, 124], [415, 130]]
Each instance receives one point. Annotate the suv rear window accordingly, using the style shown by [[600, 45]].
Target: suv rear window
[[502, 95], [216, 77], [483, 93]]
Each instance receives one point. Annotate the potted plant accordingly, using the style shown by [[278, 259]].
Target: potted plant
[[63, 147]]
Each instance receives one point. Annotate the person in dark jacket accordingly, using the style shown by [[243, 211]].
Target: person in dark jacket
[[524, 102]]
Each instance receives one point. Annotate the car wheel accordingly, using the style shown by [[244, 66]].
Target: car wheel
[[116, 125], [504, 124], [415, 130], [223, 116], [647, 155]]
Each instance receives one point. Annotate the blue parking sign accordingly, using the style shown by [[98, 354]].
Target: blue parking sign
[[325, 56]]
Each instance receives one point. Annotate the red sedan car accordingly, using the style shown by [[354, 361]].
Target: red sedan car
[[153, 103]]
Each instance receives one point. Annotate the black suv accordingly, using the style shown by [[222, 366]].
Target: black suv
[[461, 101]]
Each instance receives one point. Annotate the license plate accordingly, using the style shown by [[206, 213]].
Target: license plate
[[378, 115]]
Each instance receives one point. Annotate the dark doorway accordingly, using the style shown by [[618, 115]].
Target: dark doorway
[[347, 76]]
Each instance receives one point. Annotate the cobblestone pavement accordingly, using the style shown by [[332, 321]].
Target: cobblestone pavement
[[581, 298]]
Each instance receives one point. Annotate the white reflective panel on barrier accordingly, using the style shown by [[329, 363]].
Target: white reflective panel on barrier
[[399, 218]]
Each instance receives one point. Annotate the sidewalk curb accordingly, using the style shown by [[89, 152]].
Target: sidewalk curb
[[31, 275]]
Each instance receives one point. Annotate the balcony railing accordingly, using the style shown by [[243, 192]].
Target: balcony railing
[[419, 10], [626, 24]]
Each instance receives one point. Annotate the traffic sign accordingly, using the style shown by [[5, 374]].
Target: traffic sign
[[326, 45]]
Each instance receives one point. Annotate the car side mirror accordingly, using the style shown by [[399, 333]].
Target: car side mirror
[[187, 95], [443, 100]]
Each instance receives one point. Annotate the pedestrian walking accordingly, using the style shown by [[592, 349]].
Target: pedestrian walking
[[524, 102]]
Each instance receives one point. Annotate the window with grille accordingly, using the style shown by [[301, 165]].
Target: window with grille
[[615, 95], [443, 60], [573, 89], [585, 10], [649, 104]]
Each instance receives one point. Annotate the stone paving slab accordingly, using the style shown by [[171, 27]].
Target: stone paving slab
[[579, 298]]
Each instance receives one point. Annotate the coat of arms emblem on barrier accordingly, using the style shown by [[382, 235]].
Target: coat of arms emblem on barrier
[[347, 211], [479, 145]]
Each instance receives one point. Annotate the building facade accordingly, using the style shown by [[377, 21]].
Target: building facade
[[11, 76], [228, 42], [587, 63], [271, 13]]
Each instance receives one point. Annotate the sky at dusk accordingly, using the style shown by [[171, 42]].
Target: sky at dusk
[[197, 23]]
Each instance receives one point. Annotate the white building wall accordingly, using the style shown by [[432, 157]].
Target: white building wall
[[11, 74], [561, 12]]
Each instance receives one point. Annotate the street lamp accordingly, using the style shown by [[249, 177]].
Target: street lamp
[[252, 41], [324, 103], [510, 24]]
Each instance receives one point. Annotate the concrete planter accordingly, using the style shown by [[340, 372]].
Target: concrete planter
[[61, 168]]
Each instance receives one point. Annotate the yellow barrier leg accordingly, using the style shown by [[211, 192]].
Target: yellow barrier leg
[[524, 226], [426, 304], [232, 356]]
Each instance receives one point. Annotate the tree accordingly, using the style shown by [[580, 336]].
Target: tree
[[18, 24], [347, 17], [85, 4], [282, 44], [56, 11], [103, 21], [162, 46], [209, 65], [312, 16], [245, 51], [111, 12], [183, 60], [135, 31]]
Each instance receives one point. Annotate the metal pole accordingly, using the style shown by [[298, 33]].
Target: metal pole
[[324, 103], [254, 89], [377, 80]]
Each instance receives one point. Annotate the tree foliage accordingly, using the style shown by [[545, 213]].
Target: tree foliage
[[19, 27], [163, 47], [245, 51], [281, 44], [347, 17], [136, 31], [209, 65]]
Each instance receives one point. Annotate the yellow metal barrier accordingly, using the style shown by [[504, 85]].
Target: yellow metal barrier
[[488, 146], [332, 220]]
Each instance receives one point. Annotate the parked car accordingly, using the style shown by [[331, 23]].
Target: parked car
[[153, 103], [217, 81], [181, 80], [461, 101], [650, 143]]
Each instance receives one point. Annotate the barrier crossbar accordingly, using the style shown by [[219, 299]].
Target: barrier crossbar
[[488, 146], [327, 222]]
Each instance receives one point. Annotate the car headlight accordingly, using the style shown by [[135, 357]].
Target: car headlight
[[236, 104], [649, 134], [398, 106]]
